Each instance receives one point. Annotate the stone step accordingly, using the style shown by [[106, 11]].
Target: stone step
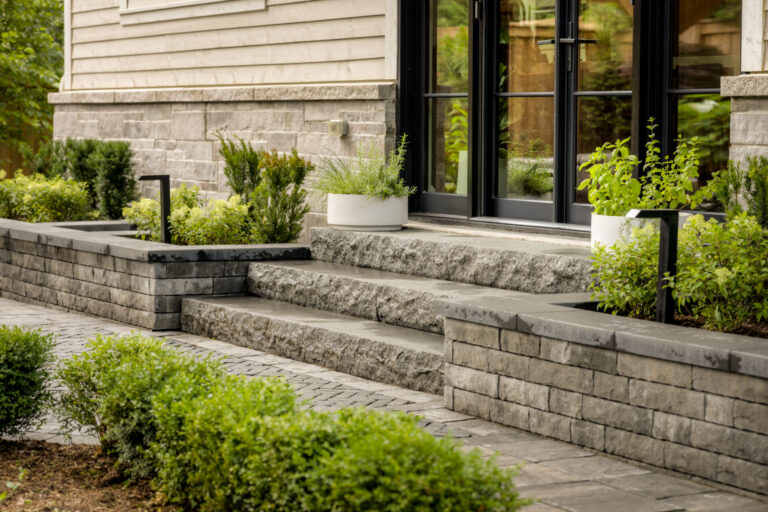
[[394, 355], [531, 264], [395, 299]]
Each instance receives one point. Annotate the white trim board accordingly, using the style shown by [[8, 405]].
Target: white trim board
[[167, 10]]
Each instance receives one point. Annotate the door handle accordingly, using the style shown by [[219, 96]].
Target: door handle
[[567, 40]]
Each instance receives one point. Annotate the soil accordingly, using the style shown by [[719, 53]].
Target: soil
[[74, 478]]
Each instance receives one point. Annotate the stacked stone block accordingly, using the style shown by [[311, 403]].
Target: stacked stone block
[[708, 423], [42, 265]]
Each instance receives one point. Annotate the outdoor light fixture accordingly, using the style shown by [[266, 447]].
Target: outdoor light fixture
[[165, 203], [665, 306]]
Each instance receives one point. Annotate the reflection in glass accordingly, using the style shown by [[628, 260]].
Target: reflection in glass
[[605, 53], [706, 116], [448, 139], [525, 65], [600, 119], [449, 35], [526, 164], [707, 42]]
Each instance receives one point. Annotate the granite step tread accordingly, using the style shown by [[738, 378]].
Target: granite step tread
[[373, 350], [392, 298], [507, 263]]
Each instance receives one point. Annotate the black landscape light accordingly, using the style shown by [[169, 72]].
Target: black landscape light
[[665, 306], [165, 203]]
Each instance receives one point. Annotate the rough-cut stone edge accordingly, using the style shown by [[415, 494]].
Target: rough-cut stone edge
[[744, 85], [141, 250], [299, 92], [688, 345]]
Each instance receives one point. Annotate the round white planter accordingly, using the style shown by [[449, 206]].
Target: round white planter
[[609, 229], [363, 213]]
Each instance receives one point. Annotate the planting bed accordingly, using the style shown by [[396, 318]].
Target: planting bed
[[675, 397], [98, 268]]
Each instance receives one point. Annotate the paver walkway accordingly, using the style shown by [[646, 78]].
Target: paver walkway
[[562, 476]]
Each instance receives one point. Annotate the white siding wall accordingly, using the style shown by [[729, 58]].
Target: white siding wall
[[291, 41]]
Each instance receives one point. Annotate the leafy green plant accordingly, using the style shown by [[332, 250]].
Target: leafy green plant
[[278, 203], [49, 159], [115, 185], [242, 165], [208, 444], [721, 273], [368, 174], [145, 213], [220, 222], [12, 486], [110, 389], [734, 187], [25, 356], [37, 199], [668, 182], [77, 154], [31, 64]]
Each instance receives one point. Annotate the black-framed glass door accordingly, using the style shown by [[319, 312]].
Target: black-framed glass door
[[508, 98]]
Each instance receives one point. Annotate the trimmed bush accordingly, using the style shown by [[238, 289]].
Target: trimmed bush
[[38, 199], [114, 183], [110, 392], [721, 273], [25, 356], [220, 222]]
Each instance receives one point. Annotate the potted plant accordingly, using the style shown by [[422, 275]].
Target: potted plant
[[366, 193], [613, 189]]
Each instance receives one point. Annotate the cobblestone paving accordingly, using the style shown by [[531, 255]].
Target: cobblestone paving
[[561, 476]]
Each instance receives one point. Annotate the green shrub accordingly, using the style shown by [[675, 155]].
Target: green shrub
[[204, 442], [114, 183], [79, 164], [25, 356], [37, 199], [220, 222], [145, 213], [733, 185], [49, 159], [278, 204], [110, 389], [368, 174], [242, 165], [721, 273]]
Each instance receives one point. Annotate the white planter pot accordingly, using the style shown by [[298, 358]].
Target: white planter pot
[[363, 213], [609, 229]]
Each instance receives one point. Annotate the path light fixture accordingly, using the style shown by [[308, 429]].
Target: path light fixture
[[665, 305], [165, 203]]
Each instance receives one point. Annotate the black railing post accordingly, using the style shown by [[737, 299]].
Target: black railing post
[[665, 304], [165, 203]]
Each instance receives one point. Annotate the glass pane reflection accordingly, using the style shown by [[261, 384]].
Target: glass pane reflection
[[708, 117], [449, 165], [526, 164], [525, 65], [707, 43], [605, 58], [449, 47]]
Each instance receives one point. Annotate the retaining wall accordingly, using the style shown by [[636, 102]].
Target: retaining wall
[[675, 397], [131, 281]]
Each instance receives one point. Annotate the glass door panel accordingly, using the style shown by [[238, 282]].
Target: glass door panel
[[525, 109], [446, 104], [602, 102]]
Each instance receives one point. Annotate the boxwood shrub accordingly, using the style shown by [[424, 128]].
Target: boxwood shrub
[[25, 357], [39, 199], [217, 442]]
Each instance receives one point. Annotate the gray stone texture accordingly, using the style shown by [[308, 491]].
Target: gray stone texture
[[453, 260]]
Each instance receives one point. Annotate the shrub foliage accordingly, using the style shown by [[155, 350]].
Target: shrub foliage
[[39, 199], [25, 357]]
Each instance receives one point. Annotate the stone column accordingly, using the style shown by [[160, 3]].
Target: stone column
[[749, 114]]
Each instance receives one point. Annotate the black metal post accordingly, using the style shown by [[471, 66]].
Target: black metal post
[[165, 203], [665, 305]]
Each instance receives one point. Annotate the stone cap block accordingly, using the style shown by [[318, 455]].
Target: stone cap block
[[755, 85], [547, 315], [297, 92], [141, 250]]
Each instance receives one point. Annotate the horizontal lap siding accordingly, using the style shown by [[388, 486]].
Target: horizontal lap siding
[[289, 42]]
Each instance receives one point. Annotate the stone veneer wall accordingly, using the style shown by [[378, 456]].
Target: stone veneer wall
[[174, 131], [127, 280], [749, 114], [700, 421]]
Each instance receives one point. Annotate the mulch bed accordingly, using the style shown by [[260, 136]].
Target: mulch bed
[[74, 478]]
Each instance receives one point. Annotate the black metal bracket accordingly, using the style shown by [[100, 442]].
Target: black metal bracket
[[165, 203], [665, 305]]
